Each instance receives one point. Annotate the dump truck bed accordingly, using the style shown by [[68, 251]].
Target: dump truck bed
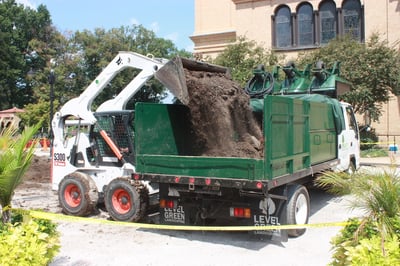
[[299, 134]]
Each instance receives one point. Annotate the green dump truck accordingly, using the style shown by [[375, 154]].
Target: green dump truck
[[303, 134]]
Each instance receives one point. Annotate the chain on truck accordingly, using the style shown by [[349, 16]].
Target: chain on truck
[[306, 131]]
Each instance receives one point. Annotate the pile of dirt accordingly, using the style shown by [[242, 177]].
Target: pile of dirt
[[221, 116], [38, 173]]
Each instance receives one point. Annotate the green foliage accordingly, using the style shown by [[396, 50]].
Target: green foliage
[[15, 159], [369, 252], [368, 139], [19, 28], [361, 244], [35, 242], [30, 47], [370, 67], [243, 56], [378, 195], [102, 46], [375, 152]]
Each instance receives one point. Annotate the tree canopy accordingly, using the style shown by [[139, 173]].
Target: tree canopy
[[31, 47], [372, 68]]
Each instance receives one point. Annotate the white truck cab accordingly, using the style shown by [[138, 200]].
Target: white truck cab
[[348, 142]]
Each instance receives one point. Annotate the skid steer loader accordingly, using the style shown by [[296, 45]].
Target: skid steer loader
[[97, 163]]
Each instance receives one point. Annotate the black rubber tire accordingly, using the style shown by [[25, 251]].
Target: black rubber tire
[[298, 209], [76, 196], [124, 201]]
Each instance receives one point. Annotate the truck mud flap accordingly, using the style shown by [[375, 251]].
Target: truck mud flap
[[268, 216]]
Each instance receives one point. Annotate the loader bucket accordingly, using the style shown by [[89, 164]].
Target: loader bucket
[[172, 75]]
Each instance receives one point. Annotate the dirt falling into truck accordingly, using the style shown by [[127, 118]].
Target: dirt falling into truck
[[222, 119]]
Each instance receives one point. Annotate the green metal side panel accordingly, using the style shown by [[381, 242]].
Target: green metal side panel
[[299, 132], [240, 168], [286, 123], [164, 144], [323, 140], [162, 129]]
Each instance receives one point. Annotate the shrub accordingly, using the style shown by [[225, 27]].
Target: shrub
[[361, 244], [368, 139], [369, 252], [32, 242]]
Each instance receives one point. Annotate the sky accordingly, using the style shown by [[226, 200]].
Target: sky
[[169, 19]]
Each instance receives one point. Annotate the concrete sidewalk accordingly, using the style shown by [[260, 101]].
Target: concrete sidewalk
[[386, 161]]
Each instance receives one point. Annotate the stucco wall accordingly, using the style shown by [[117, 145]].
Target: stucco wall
[[219, 22]]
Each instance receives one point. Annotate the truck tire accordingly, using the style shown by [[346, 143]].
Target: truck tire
[[77, 194], [298, 208], [124, 201]]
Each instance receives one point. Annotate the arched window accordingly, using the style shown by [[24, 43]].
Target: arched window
[[352, 18], [305, 25], [328, 21], [283, 27]]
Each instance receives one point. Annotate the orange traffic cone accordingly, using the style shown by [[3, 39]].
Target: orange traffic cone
[[44, 146]]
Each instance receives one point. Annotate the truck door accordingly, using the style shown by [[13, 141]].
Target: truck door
[[349, 142]]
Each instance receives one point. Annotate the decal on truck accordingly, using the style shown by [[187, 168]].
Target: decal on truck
[[59, 159], [174, 215], [266, 220]]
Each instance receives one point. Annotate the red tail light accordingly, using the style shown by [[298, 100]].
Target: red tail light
[[240, 212], [167, 204]]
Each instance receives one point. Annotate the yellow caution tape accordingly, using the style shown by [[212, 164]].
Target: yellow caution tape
[[61, 217], [377, 143]]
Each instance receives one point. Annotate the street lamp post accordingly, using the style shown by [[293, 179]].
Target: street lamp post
[[52, 80]]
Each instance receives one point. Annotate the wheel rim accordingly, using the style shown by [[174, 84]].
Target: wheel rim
[[301, 212], [121, 201], [72, 195]]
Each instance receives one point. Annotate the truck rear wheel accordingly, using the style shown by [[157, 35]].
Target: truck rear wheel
[[123, 201], [298, 208], [76, 195]]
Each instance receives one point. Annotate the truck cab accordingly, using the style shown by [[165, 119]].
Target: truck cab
[[348, 142]]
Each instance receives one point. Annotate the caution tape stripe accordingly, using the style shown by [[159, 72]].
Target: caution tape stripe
[[376, 143], [61, 217]]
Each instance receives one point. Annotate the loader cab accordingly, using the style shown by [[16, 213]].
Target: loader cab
[[111, 137]]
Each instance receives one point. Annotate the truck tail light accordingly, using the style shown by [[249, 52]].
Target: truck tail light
[[240, 212], [171, 204]]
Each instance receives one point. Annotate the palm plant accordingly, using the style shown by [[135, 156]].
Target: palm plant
[[377, 194], [15, 159]]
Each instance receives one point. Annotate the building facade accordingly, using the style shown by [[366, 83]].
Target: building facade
[[291, 26], [9, 118]]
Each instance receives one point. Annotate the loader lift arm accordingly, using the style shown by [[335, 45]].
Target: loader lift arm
[[80, 107]]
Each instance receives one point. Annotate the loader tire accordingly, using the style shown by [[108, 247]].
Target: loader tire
[[298, 209], [77, 195], [125, 201]]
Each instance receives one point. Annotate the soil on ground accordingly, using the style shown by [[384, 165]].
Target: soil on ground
[[37, 174], [221, 116]]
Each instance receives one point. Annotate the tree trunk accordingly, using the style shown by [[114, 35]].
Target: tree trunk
[[6, 215]]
